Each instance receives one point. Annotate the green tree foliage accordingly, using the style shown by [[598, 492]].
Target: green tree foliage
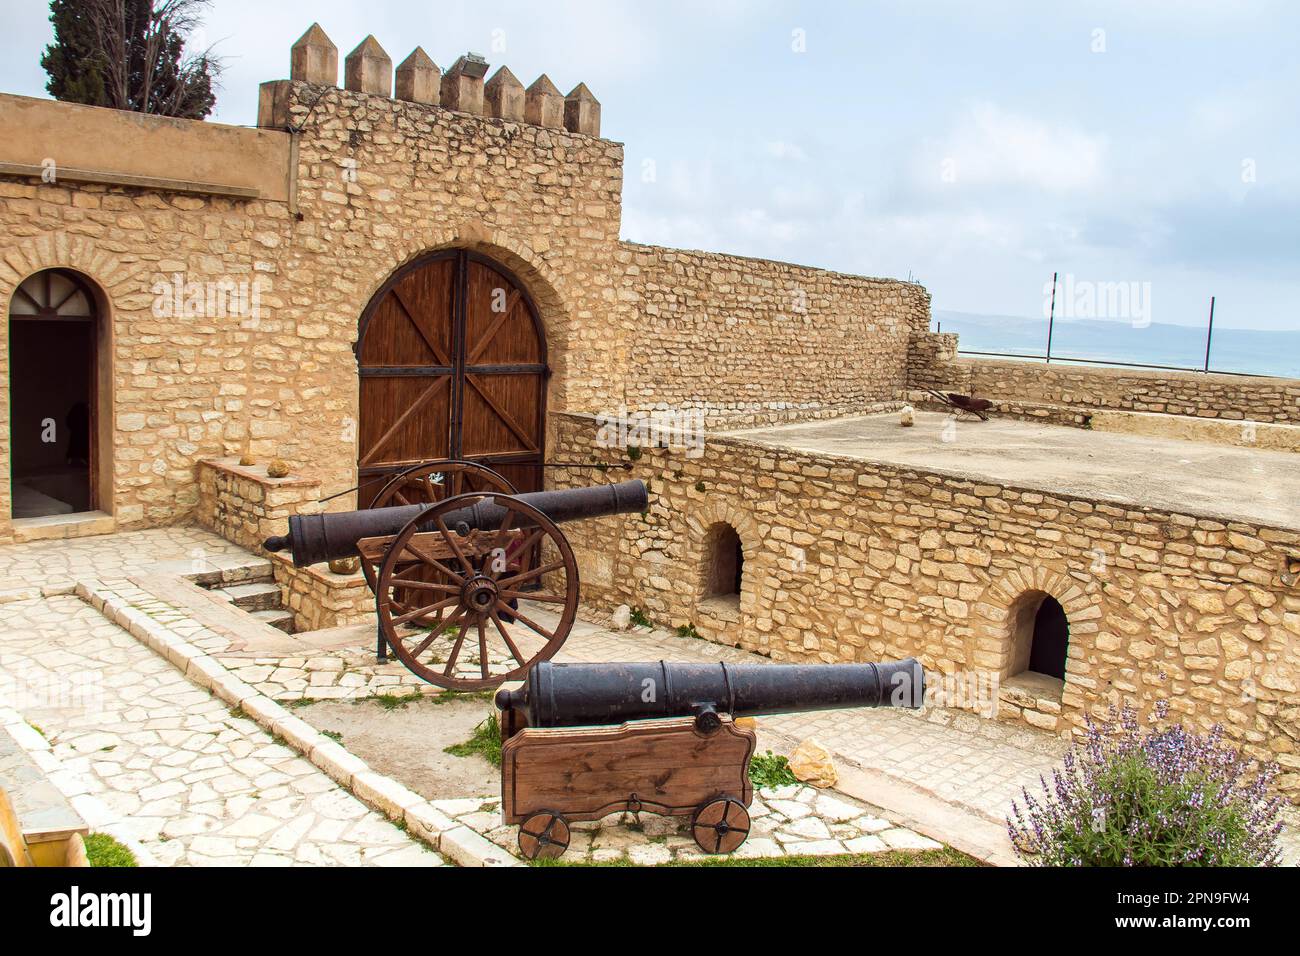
[[130, 55]]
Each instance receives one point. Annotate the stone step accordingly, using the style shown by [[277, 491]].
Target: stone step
[[276, 617], [254, 596], [224, 570]]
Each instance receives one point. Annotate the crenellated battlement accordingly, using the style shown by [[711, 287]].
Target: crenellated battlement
[[369, 69]]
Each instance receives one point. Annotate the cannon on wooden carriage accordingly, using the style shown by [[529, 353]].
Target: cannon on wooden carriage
[[451, 572], [582, 741]]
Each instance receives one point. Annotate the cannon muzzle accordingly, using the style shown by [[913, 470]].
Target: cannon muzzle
[[324, 537], [574, 695]]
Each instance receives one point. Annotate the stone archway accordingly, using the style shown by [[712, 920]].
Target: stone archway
[[547, 288], [452, 362], [1007, 612], [115, 286]]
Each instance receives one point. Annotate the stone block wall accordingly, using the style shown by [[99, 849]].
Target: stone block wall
[[245, 506], [846, 560], [930, 357], [750, 342], [376, 182], [319, 598], [1227, 397]]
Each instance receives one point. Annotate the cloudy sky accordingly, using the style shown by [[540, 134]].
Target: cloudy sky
[[976, 147]]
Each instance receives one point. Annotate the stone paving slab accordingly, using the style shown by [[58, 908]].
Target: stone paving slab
[[785, 821], [143, 752]]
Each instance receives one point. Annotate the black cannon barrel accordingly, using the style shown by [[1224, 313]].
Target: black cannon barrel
[[324, 537], [575, 695]]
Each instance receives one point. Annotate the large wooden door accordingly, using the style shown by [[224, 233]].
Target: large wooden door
[[452, 359]]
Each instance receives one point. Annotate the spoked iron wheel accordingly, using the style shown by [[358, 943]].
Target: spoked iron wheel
[[448, 598], [720, 826], [544, 836]]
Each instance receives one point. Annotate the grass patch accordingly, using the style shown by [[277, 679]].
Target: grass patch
[[333, 735], [946, 857], [639, 618], [770, 770], [688, 630], [394, 701], [103, 850], [486, 742]]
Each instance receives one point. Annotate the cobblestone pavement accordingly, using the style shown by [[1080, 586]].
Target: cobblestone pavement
[[55, 566], [146, 755], [785, 821]]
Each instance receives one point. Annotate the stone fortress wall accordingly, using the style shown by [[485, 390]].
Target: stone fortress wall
[[846, 560], [933, 362], [747, 341]]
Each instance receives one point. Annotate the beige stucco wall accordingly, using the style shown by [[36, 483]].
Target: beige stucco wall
[[69, 136]]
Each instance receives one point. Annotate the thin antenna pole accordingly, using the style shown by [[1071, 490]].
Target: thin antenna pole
[[1209, 336], [1051, 320]]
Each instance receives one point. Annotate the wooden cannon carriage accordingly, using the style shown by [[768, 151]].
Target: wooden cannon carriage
[[450, 556], [582, 741]]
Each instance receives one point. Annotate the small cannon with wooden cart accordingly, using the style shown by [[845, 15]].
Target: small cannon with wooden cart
[[582, 741], [455, 570]]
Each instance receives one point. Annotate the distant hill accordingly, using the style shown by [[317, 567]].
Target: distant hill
[[1234, 350]]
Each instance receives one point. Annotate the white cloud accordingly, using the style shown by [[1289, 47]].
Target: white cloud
[[783, 150], [990, 146]]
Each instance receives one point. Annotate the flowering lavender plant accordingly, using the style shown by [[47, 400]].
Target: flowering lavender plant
[[1159, 797]]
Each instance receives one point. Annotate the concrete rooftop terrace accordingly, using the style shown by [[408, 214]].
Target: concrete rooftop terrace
[[1165, 474]]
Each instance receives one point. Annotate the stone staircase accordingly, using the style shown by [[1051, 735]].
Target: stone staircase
[[258, 596]]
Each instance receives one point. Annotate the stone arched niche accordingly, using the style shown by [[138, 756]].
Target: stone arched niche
[[722, 549], [1040, 633], [723, 567], [1025, 602]]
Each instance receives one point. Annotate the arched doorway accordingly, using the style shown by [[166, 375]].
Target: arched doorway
[[452, 360], [54, 334]]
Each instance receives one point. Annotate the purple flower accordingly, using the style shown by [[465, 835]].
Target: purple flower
[[1165, 796]]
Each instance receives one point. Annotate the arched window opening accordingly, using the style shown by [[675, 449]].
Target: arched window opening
[[53, 330]]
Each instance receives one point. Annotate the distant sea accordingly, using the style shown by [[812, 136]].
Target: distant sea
[[1254, 351]]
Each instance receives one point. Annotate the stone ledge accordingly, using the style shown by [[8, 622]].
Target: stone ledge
[[58, 527], [257, 473]]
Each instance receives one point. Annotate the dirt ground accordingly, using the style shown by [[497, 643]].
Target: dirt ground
[[407, 742]]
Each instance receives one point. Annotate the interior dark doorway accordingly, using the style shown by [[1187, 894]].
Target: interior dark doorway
[[1051, 639], [52, 367]]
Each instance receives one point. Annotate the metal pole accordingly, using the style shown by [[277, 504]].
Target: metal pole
[[1209, 336], [1051, 320]]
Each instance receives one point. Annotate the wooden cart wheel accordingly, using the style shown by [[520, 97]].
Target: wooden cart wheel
[[430, 482], [434, 480], [721, 825], [441, 589], [544, 836]]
